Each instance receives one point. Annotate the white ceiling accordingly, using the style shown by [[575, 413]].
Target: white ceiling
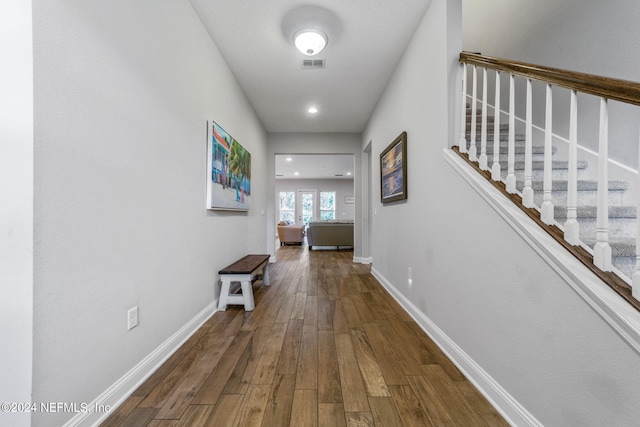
[[366, 40], [314, 166]]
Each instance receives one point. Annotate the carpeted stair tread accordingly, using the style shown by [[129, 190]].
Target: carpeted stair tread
[[620, 247], [560, 212], [583, 185], [539, 165]]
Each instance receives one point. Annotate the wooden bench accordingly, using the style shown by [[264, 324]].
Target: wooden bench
[[245, 271]]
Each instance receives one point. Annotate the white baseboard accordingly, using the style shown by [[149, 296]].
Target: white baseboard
[[122, 389], [501, 400]]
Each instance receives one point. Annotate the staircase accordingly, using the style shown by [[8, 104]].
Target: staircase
[[622, 217]]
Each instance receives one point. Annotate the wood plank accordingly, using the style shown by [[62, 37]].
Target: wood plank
[[195, 416], [384, 412], [278, 409], [391, 370], [329, 389], [359, 419], [480, 404], [441, 399], [409, 407], [266, 368], [212, 388], [140, 417], [164, 389], [354, 396], [339, 321], [304, 411], [307, 372], [325, 314], [311, 311], [285, 309], [253, 406], [254, 349], [245, 265], [121, 412], [402, 351], [350, 313], [225, 411], [298, 307], [371, 373], [181, 397], [331, 415], [288, 362]]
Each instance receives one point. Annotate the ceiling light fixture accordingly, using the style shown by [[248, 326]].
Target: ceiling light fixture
[[312, 110], [310, 42]]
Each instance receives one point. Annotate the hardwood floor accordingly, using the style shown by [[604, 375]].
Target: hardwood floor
[[325, 346]]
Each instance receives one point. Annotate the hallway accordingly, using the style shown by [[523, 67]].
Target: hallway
[[326, 345]]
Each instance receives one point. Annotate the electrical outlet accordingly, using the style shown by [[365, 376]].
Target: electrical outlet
[[132, 318]]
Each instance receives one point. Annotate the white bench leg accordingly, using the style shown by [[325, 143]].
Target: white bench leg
[[247, 295], [224, 294], [265, 275]]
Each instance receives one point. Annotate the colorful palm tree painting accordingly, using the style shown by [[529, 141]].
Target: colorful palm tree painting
[[229, 166]]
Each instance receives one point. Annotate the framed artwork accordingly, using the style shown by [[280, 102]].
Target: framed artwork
[[393, 170], [228, 171]]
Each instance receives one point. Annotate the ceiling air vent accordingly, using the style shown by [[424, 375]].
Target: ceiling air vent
[[338, 174], [309, 64]]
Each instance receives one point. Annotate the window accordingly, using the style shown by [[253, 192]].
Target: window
[[327, 205], [287, 206]]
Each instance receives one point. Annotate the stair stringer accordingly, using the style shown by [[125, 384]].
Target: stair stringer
[[613, 309]]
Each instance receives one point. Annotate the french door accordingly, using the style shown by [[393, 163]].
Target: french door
[[306, 206]]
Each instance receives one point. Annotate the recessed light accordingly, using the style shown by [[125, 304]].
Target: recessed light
[[312, 110], [349, 173], [296, 173], [289, 159]]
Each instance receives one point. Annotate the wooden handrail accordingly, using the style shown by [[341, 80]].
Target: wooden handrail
[[609, 88]]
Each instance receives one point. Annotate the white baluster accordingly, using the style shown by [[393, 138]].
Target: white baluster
[[635, 280], [472, 133], [546, 213], [511, 159], [527, 191], [571, 226], [463, 126], [495, 168], [602, 250], [483, 138]]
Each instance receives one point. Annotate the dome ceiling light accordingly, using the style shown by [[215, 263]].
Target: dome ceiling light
[[309, 41]]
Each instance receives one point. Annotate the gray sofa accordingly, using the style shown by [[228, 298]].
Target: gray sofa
[[330, 233]]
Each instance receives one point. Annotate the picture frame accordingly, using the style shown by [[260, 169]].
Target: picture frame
[[228, 171], [393, 170]]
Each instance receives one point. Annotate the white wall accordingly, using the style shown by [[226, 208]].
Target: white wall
[[122, 94], [316, 143], [474, 278], [16, 207], [342, 188], [588, 36]]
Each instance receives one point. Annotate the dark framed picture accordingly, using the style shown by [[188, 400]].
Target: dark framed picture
[[393, 170], [228, 171]]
